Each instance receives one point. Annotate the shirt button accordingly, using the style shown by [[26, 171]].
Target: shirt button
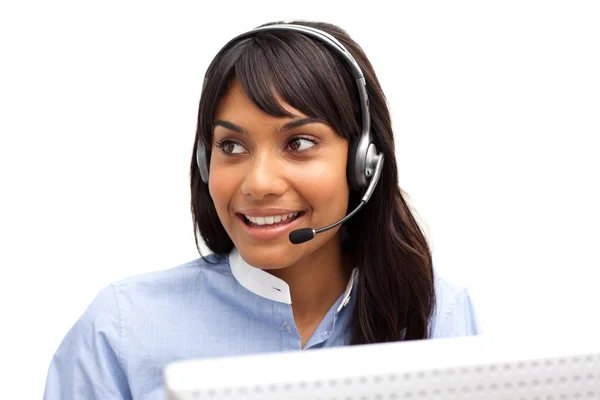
[[287, 326]]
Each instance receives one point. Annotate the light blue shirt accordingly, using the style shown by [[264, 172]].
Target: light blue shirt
[[133, 328]]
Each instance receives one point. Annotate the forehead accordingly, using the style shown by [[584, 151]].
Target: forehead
[[235, 104]]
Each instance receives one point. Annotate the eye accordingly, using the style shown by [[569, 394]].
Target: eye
[[300, 144], [229, 147]]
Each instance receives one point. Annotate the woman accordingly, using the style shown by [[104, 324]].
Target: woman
[[280, 123]]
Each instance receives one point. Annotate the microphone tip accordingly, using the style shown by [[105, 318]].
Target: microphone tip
[[301, 235]]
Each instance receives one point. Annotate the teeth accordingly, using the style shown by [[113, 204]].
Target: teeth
[[272, 219]]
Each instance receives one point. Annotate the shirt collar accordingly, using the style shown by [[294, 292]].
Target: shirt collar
[[269, 286]]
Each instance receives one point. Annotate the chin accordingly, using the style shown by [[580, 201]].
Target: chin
[[265, 257]]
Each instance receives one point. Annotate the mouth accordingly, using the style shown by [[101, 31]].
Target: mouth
[[270, 222]]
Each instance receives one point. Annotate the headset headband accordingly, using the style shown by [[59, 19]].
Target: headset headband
[[331, 42]]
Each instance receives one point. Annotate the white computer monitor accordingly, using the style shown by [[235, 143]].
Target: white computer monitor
[[538, 368]]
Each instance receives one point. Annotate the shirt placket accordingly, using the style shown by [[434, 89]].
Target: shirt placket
[[284, 318]]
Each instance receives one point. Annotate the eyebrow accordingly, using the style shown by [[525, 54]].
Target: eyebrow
[[285, 128]]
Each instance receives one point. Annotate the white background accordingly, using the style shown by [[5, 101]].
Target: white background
[[496, 113]]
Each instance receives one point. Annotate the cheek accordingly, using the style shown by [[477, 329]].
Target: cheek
[[326, 188], [221, 189]]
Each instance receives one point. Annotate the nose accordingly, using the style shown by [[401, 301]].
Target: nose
[[264, 176]]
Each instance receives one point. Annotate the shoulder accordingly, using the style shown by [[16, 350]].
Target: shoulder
[[447, 291], [92, 357], [146, 288], [454, 314], [213, 264], [154, 295], [145, 293]]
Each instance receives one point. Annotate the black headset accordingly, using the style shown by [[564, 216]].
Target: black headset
[[364, 162]]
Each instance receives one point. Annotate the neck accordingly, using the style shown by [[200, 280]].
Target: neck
[[316, 282]]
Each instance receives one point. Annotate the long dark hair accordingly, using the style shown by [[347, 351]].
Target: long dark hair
[[395, 281]]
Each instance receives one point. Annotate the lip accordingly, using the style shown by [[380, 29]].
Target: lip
[[265, 212], [272, 233]]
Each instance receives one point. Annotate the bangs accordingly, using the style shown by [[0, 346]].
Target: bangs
[[288, 66]]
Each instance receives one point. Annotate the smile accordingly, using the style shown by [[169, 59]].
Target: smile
[[270, 221]]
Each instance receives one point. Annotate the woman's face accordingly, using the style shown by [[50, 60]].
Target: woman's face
[[271, 175]]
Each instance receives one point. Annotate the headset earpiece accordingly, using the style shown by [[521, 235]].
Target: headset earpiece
[[202, 161]]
